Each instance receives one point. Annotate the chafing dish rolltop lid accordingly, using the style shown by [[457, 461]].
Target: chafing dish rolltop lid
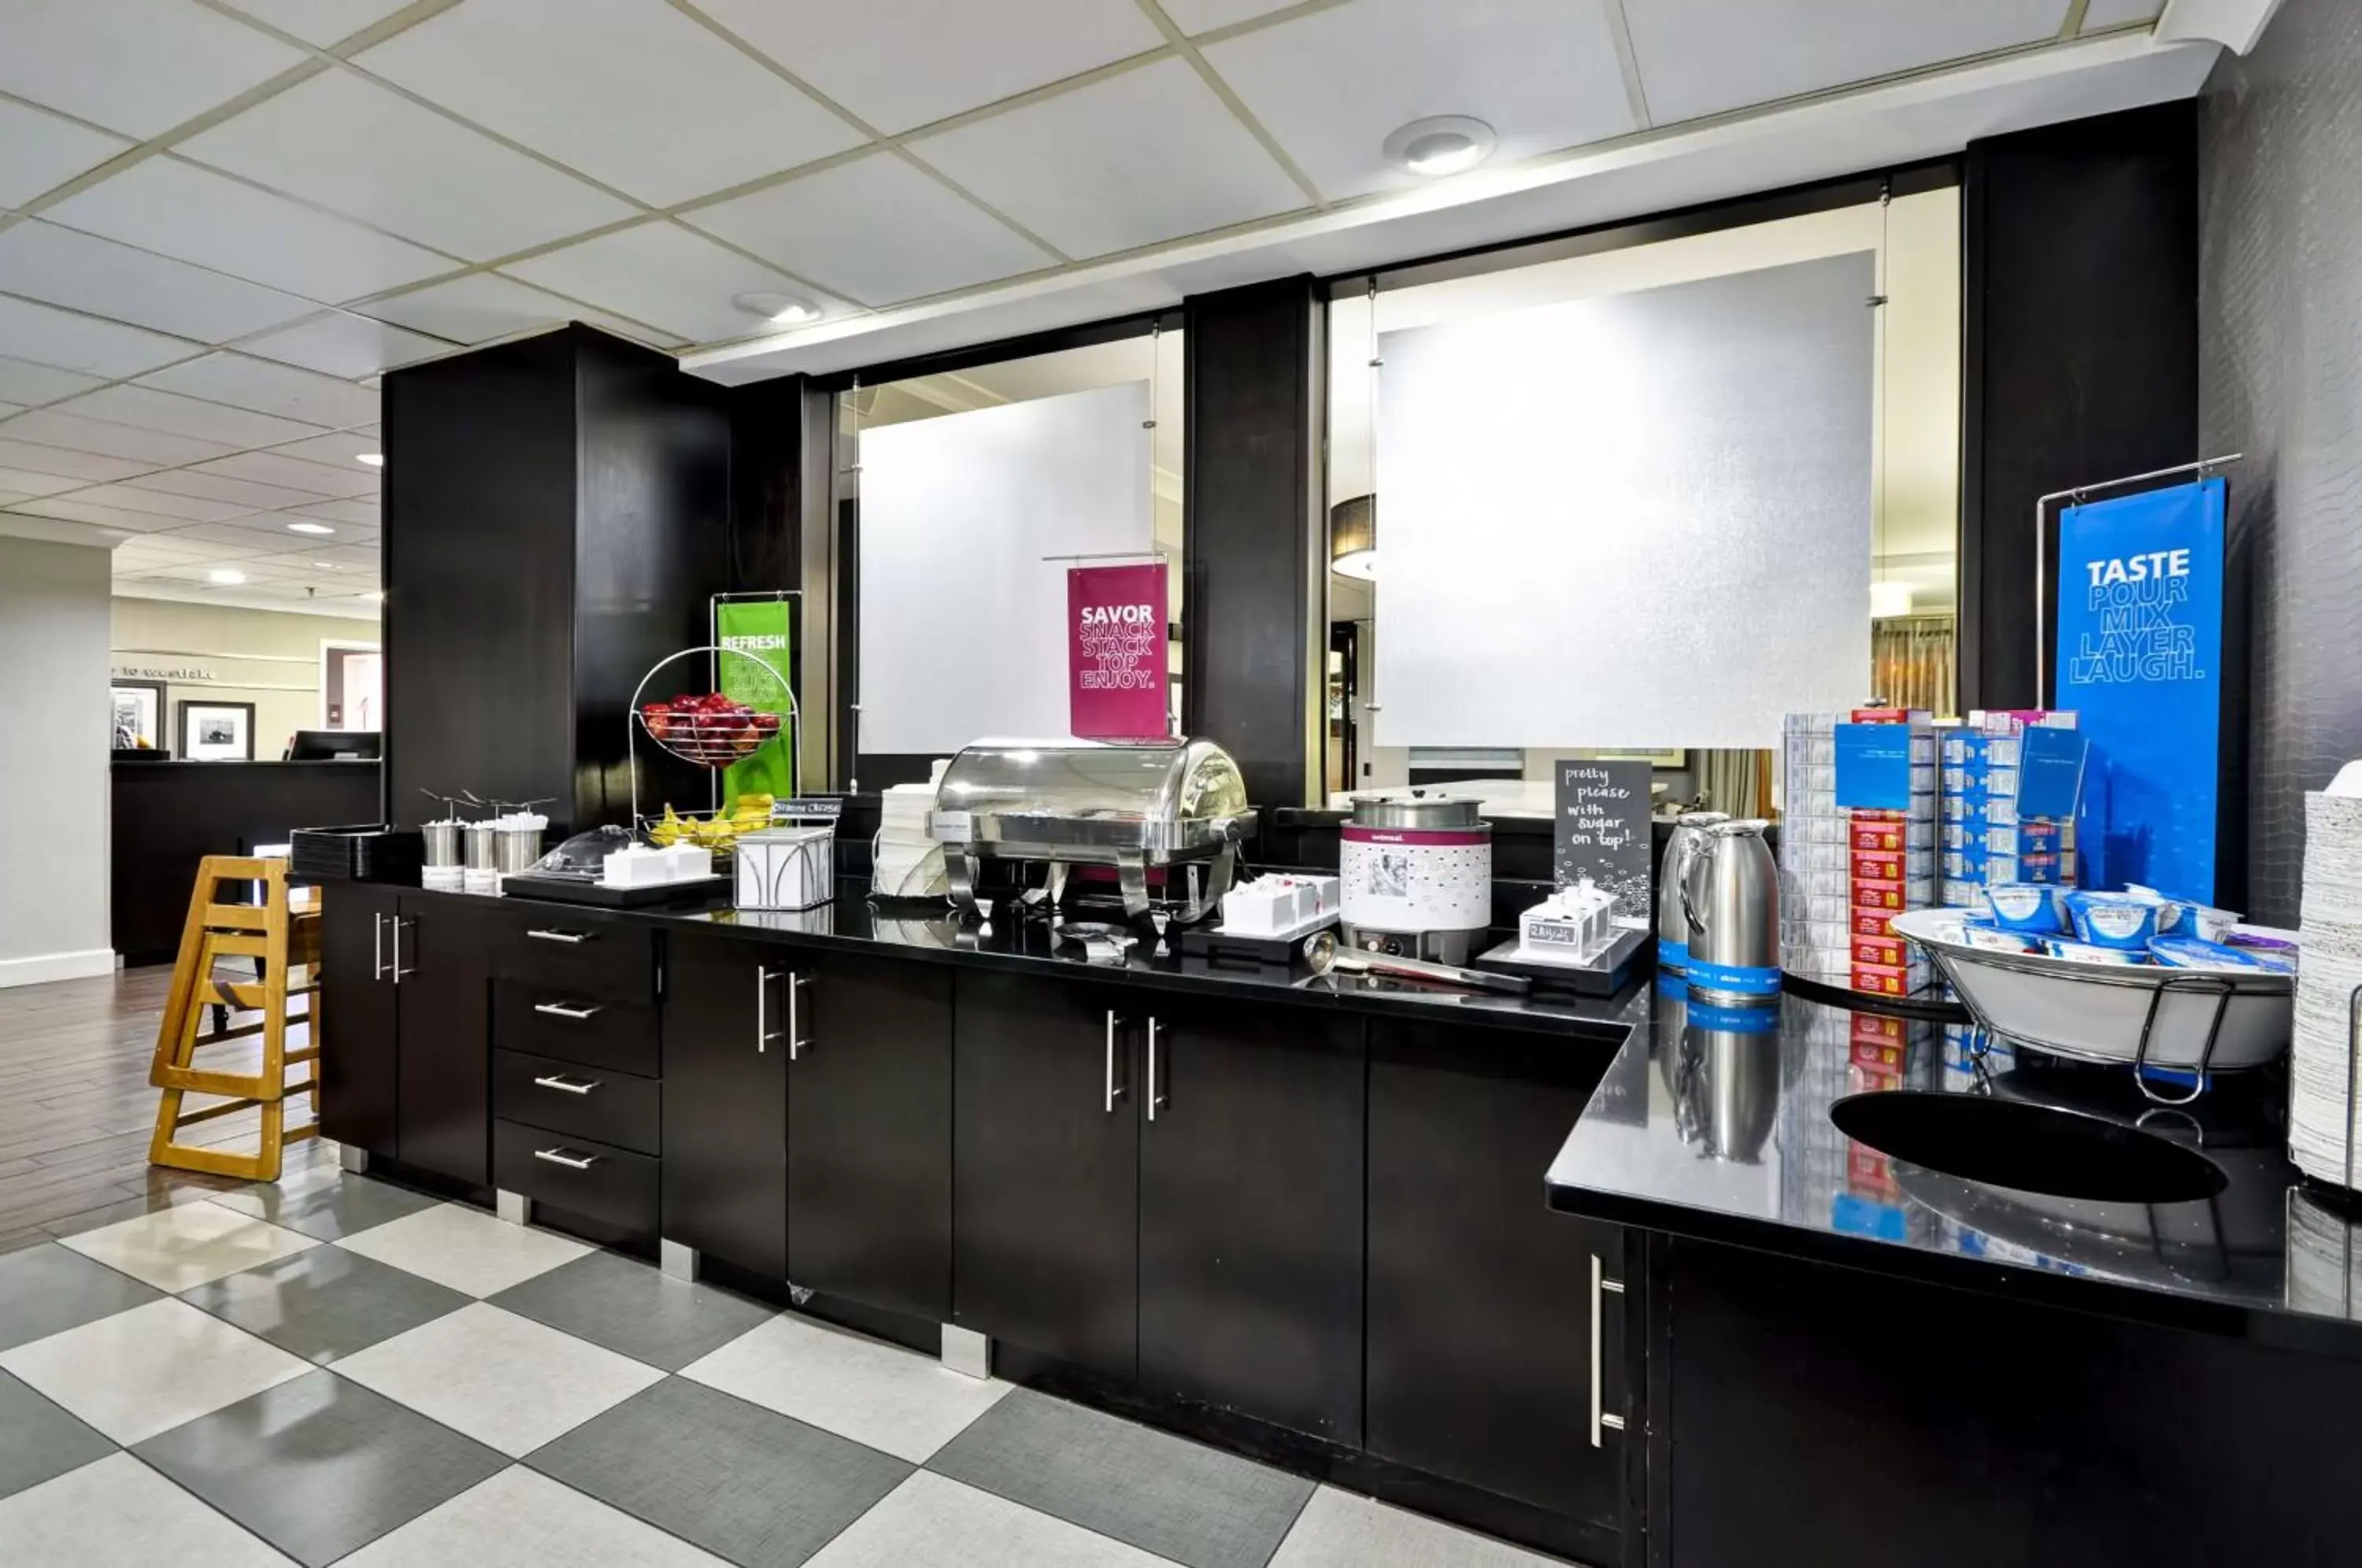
[[1131, 804]]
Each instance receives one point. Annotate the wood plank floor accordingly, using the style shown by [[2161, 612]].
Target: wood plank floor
[[76, 1110]]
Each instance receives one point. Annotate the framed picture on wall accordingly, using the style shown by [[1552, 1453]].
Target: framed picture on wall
[[217, 732], [136, 709]]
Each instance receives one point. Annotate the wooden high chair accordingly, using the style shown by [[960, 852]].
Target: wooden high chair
[[283, 939]]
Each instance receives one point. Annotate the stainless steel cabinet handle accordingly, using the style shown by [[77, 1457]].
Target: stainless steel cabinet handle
[[1114, 1090], [377, 945], [572, 938], [566, 1085], [796, 1041], [1154, 1099], [764, 1033], [1601, 1288], [396, 922], [559, 1010], [560, 1157]]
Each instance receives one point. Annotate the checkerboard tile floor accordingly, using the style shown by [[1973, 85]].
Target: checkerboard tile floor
[[337, 1369]]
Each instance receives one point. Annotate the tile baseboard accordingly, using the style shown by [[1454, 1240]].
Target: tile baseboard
[[42, 967]]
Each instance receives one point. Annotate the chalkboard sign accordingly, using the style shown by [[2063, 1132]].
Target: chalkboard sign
[[1603, 832]]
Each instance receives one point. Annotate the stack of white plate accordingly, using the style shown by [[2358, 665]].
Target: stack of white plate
[[2323, 1125], [907, 863]]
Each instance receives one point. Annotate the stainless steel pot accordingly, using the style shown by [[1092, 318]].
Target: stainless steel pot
[[515, 848], [1731, 898], [483, 846], [442, 840], [1673, 925], [1417, 876]]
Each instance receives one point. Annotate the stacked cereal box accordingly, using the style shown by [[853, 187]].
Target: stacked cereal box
[[1888, 790], [1988, 840], [1816, 851]]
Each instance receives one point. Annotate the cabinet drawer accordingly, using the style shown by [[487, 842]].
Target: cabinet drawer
[[614, 1108], [563, 949], [580, 1176], [553, 1021]]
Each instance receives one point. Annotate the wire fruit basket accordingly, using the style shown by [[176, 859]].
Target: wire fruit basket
[[708, 730]]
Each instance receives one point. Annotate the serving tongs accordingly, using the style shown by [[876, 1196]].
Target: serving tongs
[[1322, 950]]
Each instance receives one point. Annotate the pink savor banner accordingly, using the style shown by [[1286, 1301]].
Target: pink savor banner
[[1116, 652]]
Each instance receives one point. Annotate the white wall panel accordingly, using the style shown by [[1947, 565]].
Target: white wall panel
[[963, 621], [1639, 520]]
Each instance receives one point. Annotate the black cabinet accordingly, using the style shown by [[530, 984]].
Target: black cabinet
[[869, 1131], [1046, 1158], [360, 1059], [725, 1100], [443, 982], [1480, 1299], [1251, 1213]]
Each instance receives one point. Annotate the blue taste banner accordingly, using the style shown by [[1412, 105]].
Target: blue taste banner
[[2140, 662]]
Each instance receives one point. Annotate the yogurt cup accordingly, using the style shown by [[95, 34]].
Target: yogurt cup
[[2087, 953], [2185, 952], [2028, 907], [2113, 920], [1995, 939]]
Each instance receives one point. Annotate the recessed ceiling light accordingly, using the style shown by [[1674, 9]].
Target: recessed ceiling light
[[370, 460], [375, 596], [228, 577], [783, 310], [1439, 145], [327, 565], [309, 529]]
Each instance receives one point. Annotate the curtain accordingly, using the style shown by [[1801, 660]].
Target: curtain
[[1738, 782], [1912, 663]]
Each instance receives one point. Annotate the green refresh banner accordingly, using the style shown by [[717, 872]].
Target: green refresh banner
[[763, 628]]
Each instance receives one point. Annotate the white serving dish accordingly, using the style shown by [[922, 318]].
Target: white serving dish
[[2097, 1012]]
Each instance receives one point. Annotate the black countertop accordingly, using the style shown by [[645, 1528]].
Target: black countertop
[[1712, 1125]]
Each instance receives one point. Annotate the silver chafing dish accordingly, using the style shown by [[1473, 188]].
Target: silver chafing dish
[[1177, 803]]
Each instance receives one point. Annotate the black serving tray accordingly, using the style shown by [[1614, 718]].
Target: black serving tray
[[1630, 956], [598, 896]]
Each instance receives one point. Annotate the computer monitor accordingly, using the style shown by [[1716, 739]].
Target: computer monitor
[[334, 745]]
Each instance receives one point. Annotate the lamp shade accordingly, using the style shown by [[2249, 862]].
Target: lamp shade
[[1354, 537]]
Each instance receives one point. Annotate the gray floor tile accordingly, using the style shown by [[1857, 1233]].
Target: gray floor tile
[[729, 1476], [37, 1439], [632, 1308], [319, 1466], [325, 1303], [47, 1289], [329, 1209], [1160, 1493]]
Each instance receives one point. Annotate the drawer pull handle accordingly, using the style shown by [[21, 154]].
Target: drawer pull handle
[[565, 1085], [1602, 1420], [572, 938], [560, 1157], [559, 1010]]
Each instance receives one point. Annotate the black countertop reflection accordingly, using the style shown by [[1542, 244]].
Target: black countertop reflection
[[1717, 1124]]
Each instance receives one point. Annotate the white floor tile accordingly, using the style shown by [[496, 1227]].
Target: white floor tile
[[521, 1519], [893, 1399], [119, 1511], [1338, 1529], [148, 1370], [502, 1379], [188, 1245], [931, 1521], [464, 1248]]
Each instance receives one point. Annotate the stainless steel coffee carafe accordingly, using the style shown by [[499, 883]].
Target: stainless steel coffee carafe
[[1673, 925], [1730, 898]]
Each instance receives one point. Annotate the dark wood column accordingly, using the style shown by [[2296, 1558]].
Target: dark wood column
[[2081, 356], [1252, 498]]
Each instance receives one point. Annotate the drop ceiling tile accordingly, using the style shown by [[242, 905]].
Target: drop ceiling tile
[[1705, 56], [342, 344], [486, 305], [89, 468], [154, 449], [339, 513], [22, 482], [178, 209], [72, 511], [8, 408], [65, 266], [238, 538], [151, 409], [861, 55], [876, 230], [50, 336], [182, 545], [663, 274], [136, 66], [357, 148], [320, 402], [1194, 16], [270, 467], [1145, 156], [2104, 14], [11, 497], [341, 452], [26, 383], [214, 487], [632, 93], [362, 557], [1542, 73], [38, 152], [322, 22], [187, 508]]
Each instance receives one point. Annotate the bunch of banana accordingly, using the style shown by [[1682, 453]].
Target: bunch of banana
[[719, 831]]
